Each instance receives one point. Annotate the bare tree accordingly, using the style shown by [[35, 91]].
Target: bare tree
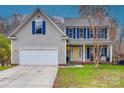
[[2, 27], [113, 37], [121, 38], [13, 21], [100, 13]]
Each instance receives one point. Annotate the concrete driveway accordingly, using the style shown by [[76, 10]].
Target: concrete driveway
[[28, 77]]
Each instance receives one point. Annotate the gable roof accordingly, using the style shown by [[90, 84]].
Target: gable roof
[[29, 17]]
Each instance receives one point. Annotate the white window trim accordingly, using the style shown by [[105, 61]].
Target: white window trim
[[39, 27]]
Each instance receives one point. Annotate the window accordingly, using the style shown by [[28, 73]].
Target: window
[[81, 33], [90, 33], [38, 27], [103, 51], [102, 33], [89, 53], [70, 32]]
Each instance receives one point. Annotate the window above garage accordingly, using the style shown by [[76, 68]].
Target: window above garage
[[38, 27]]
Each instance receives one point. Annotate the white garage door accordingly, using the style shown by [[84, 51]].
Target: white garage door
[[38, 57]]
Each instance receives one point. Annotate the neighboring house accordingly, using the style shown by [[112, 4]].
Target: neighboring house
[[39, 41]]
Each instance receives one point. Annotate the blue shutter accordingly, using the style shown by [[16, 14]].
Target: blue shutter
[[67, 31], [105, 33], [105, 49], [88, 53], [84, 33], [88, 33], [44, 28], [74, 33], [77, 33], [33, 27]]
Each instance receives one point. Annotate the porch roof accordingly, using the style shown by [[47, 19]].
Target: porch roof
[[87, 42]]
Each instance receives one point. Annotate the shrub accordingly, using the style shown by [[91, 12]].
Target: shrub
[[4, 50]]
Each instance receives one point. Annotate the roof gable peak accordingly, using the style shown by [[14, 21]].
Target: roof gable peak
[[27, 19]]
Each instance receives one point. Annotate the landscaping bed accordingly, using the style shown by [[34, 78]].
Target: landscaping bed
[[5, 67]]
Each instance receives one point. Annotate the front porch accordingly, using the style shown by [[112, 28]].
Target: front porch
[[81, 54]]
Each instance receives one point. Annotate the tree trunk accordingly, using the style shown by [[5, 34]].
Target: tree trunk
[[97, 62], [2, 63]]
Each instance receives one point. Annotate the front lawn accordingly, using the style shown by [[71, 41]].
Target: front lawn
[[90, 77], [4, 67]]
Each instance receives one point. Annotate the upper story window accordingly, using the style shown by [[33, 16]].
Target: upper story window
[[38, 27], [85, 32], [81, 33], [102, 33], [70, 32], [90, 33]]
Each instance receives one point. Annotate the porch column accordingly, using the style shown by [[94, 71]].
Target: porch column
[[84, 53], [111, 53], [108, 50]]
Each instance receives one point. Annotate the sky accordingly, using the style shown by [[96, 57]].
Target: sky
[[116, 11]]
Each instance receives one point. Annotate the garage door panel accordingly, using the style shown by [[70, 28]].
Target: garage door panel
[[38, 57]]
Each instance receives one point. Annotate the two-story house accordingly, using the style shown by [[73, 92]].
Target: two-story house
[[39, 41]]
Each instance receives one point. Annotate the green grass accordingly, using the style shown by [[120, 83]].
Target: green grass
[[90, 77], [4, 67]]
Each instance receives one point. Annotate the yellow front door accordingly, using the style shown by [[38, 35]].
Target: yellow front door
[[77, 53]]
